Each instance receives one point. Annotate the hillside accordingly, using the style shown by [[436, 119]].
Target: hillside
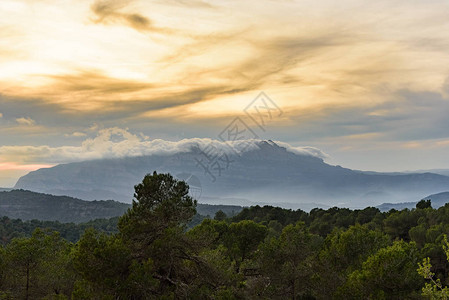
[[27, 205]]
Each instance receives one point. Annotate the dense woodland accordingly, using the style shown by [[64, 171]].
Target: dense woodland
[[16, 228], [267, 252]]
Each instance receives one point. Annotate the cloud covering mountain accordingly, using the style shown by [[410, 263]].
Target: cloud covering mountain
[[243, 172], [116, 142]]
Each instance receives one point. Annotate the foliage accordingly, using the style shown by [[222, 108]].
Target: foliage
[[285, 264], [423, 204], [161, 204], [10, 228], [389, 273], [343, 252], [434, 289], [38, 266], [161, 249]]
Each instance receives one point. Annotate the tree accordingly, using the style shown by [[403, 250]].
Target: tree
[[150, 257], [344, 252], [103, 262], [161, 202], [434, 289], [242, 240], [220, 215], [350, 248], [3, 267], [38, 266], [388, 274], [399, 223], [284, 264], [24, 254], [154, 231], [209, 234], [424, 204]]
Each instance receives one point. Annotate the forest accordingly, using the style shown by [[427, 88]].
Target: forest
[[154, 251]]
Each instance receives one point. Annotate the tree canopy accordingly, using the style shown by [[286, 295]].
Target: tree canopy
[[261, 253]]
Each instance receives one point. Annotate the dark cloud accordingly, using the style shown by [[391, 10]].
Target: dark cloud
[[127, 98], [139, 22], [96, 83], [271, 60], [119, 101], [278, 55], [411, 116], [111, 11]]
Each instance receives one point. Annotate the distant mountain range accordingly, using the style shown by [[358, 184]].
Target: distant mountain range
[[444, 172], [27, 205], [437, 201], [263, 173]]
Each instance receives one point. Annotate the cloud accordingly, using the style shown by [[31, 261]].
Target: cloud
[[26, 121], [188, 3], [110, 11], [96, 82], [114, 97], [446, 88], [352, 74], [311, 151], [116, 142], [252, 65], [405, 116], [76, 134], [343, 60], [93, 93]]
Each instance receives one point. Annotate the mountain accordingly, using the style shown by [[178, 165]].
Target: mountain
[[398, 206], [263, 173], [444, 172], [27, 205], [438, 200]]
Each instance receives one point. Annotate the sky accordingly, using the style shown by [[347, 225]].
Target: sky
[[366, 82]]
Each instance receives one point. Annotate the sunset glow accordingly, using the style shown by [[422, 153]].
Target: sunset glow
[[349, 75]]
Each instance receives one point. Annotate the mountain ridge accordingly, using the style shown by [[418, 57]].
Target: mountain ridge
[[268, 173]]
